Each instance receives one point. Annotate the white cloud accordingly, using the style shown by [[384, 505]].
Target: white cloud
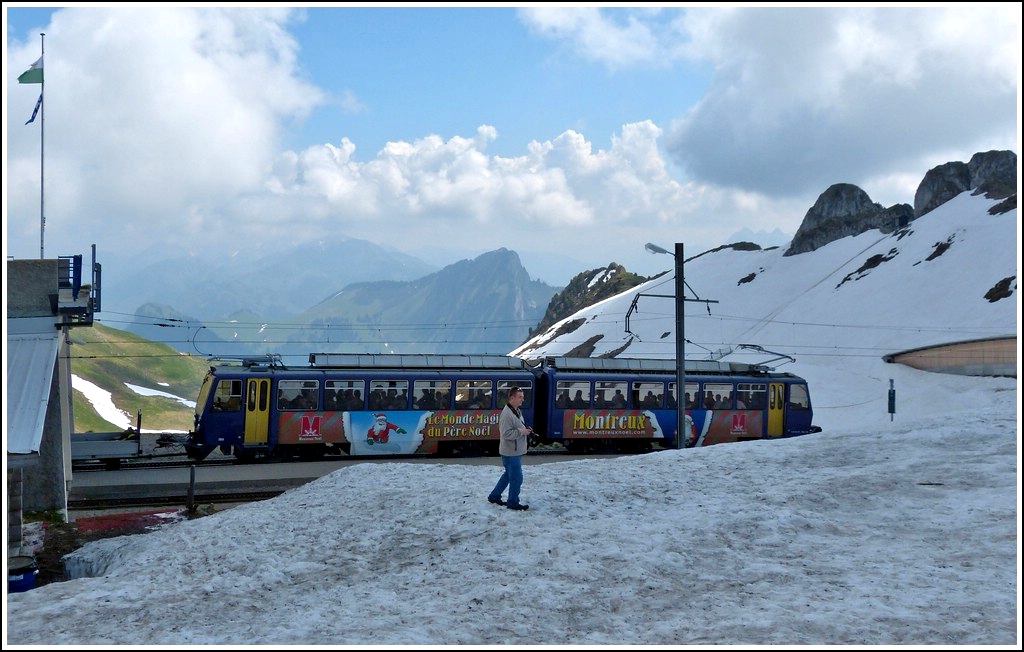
[[350, 103], [165, 124], [595, 35], [156, 112], [803, 98], [559, 183]]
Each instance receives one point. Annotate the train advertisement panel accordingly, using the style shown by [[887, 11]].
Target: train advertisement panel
[[397, 432], [706, 426], [404, 432], [721, 426], [310, 428], [608, 424], [409, 432]]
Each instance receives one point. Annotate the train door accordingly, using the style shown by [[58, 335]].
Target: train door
[[257, 411], [776, 408]]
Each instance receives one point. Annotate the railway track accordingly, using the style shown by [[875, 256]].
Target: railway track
[[145, 463], [172, 461]]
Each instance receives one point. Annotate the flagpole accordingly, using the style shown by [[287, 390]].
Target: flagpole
[[42, 140], [35, 75]]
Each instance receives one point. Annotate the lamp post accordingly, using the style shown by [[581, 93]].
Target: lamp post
[[680, 341]]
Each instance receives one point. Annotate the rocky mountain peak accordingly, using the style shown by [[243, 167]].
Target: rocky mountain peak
[[586, 289], [993, 173], [844, 210]]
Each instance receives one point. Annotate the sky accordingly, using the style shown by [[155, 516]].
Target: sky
[[883, 529], [570, 134]]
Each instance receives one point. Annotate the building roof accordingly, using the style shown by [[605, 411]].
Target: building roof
[[32, 346]]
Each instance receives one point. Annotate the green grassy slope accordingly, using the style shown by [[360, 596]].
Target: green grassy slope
[[109, 358]]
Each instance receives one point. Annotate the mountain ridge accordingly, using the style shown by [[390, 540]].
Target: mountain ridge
[[961, 235], [493, 293]]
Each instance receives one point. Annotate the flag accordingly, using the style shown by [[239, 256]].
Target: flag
[[34, 74], [39, 103]]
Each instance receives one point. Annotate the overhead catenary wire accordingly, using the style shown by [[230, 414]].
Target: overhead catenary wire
[[188, 339]]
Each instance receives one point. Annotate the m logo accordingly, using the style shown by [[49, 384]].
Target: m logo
[[310, 427], [739, 422]]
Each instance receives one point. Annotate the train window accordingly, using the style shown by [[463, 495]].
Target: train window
[[610, 394], [432, 394], [389, 395], [670, 396], [692, 392], [228, 396], [473, 395], [575, 394], [717, 396], [799, 399], [753, 395], [505, 385], [648, 396], [344, 394], [297, 394]]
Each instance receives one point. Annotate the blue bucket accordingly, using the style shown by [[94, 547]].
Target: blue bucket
[[21, 574]]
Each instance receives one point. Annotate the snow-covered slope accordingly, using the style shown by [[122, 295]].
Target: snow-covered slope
[[836, 310]]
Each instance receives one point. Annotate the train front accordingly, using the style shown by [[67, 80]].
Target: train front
[[197, 447]]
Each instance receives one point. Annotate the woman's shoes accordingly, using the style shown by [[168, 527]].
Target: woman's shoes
[[519, 507]]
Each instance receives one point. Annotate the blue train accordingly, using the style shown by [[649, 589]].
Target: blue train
[[352, 404]]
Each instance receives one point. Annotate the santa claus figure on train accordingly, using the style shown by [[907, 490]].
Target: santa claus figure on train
[[381, 430]]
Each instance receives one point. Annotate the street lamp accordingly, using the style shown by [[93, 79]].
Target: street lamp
[[680, 341]]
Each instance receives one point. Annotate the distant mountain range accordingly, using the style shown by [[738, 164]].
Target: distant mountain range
[[484, 305], [274, 286], [473, 306]]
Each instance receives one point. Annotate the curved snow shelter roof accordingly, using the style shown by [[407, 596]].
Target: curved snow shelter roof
[[987, 356]]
